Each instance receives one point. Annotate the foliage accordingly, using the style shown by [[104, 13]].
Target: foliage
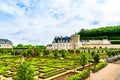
[[83, 60], [80, 76], [92, 53], [115, 41], [95, 38], [56, 54], [25, 53], [111, 31], [71, 51], [96, 57], [24, 72], [109, 53], [77, 51], [63, 54], [46, 53], [29, 46], [99, 66]]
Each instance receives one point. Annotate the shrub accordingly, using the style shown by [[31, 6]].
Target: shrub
[[99, 66], [24, 72], [80, 76]]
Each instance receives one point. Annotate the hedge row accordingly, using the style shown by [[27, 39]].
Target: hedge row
[[80, 76], [101, 37], [115, 42], [99, 66], [52, 73], [94, 38], [114, 38]]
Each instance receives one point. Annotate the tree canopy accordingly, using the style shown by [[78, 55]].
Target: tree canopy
[[110, 32]]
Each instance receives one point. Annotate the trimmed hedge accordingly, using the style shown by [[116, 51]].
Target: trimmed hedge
[[99, 66], [80, 76], [114, 38], [94, 38], [47, 69], [115, 42], [52, 73]]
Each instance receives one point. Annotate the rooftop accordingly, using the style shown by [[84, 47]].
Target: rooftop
[[65, 39], [5, 41]]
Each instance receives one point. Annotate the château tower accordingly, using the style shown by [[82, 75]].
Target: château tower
[[75, 41]]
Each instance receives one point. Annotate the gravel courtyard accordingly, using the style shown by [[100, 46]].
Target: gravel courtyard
[[110, 72]]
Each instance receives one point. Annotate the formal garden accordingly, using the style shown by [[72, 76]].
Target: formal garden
[[44, 63]]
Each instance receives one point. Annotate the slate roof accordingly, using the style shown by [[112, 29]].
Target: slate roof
[[5, 41], [64, 39]]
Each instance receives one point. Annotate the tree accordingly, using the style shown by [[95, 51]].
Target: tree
[[96, 58], [63, 54], [109, 53], [77, 51], [71, 51], [24, 72], [20, 46], [29, 52], [92, 53], [83, 60], [46, 53], [56, 53], [25, 53], [38, 53]]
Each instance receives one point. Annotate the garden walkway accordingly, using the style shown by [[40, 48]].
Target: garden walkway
[[110, 72]]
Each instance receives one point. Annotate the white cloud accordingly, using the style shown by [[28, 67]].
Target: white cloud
[[39, 21]]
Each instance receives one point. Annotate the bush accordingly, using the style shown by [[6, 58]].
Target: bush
[[24, 72], [99, 66], [81, 76]]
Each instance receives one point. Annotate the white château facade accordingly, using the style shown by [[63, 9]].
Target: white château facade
[[74, 42], [5, 43], [65, 43]]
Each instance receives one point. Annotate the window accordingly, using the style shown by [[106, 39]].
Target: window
[[0, 45]]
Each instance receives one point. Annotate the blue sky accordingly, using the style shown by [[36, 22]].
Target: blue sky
[[39, 21]]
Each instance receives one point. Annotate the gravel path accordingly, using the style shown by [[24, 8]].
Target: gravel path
[[110, 72]]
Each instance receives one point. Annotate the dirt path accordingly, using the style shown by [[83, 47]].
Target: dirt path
[[110, 72]]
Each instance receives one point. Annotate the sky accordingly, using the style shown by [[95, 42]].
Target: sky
[[37, 22]]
